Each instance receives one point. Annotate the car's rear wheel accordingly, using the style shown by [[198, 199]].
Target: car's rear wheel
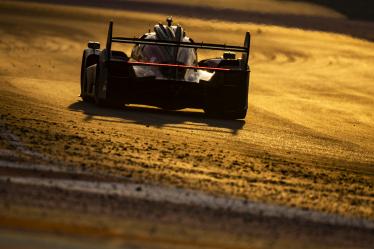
[[219, 112], [219, 105], [104, 102], [107, 103]]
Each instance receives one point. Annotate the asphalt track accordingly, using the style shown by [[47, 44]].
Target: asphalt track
[[301, 162]]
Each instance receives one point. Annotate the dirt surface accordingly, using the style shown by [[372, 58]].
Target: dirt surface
[[307, 142]]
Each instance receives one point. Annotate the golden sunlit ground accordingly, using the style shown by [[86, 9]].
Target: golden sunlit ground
[[307, 141], [268, 6]]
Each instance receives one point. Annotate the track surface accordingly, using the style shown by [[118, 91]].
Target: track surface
[[307, 141]]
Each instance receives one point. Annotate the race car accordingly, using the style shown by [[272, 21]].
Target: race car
[[163, 71]]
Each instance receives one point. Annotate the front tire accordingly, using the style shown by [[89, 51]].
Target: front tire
[[83, 93], [84, 84]]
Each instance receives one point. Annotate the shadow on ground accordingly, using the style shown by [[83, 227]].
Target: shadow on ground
[[158, 118], [358, 9]]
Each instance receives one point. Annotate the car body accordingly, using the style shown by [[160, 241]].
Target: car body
[[163, 71]]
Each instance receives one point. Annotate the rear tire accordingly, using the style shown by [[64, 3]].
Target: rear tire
[[235, 115], [84, 95], [104, 102], [217, 107], [221, 114]]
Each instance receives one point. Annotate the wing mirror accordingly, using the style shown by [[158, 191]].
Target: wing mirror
[[94, 45]]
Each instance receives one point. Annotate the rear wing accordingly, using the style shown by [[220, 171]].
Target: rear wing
[[209, 46]]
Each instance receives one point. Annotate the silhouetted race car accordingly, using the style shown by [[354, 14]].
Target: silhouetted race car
[[163, 71]]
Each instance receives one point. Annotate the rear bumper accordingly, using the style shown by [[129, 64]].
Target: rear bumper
[[227, 90]]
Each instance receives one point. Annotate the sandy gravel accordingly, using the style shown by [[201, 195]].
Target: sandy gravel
[[307, 142]]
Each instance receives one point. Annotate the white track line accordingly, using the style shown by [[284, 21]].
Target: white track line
[[42, 167], [18, 145], [183, 197]]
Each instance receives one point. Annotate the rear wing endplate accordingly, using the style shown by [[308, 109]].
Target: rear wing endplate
[[210, 46]]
